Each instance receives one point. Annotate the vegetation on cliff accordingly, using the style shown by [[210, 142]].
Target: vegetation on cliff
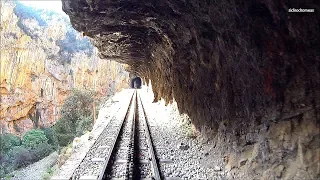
[[76, 117], [42, 60], [17, 153]]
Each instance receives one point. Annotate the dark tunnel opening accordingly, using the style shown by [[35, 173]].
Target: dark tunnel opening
[[136, 83]]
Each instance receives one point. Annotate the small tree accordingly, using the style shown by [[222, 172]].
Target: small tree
[[8, 141], [83, 125], [33, 138], [64, 131], [77, 105], [20, 157], [76, 117], [51, 136]]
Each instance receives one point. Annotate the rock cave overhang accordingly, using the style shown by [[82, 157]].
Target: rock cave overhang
[[237, 60]]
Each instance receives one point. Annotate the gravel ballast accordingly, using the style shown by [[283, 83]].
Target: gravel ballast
[[185, 157]]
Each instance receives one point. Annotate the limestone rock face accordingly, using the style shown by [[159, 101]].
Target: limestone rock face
[[36, 74], [247, 72]]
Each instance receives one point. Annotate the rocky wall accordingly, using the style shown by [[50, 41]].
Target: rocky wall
[[246, 72], [33, 85]]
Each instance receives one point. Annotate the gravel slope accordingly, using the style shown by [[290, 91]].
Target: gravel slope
[[36, 170]]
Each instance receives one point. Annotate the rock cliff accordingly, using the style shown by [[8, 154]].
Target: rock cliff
[[42, 60], [246, 72]]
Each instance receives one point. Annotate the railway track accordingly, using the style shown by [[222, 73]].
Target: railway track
[[124, 149]]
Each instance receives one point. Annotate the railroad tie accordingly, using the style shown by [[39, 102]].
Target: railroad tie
[[143, 148], [60, 178], [88, 178], [165, 161], [98, 159], [173, 178], [109, 137], [103, 147], [144, 161], [120, 161]]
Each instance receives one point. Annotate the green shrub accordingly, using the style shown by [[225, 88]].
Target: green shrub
[[8, 141], [5, 170], [64, 131], [63, 126], [33, 138], [48, 174], [76, 117], [51, 136], [83, 125], [65, 139], [77, 105], [34, 147], [50, 170], [20, 157], [5, 165], [41, 151]]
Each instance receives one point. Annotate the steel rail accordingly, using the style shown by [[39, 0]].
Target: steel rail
[[108, 159], [152, 157], [130, 162]]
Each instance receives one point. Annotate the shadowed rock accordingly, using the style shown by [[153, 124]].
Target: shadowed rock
[[234, 66]]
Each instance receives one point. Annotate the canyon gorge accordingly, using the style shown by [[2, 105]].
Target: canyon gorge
[[42, 60]]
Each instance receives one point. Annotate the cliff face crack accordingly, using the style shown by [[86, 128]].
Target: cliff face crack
[[218, 60]]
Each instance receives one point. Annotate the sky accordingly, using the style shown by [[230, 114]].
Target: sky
[[54, 5]]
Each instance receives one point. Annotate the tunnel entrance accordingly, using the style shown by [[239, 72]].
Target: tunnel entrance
[[136, 83]]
